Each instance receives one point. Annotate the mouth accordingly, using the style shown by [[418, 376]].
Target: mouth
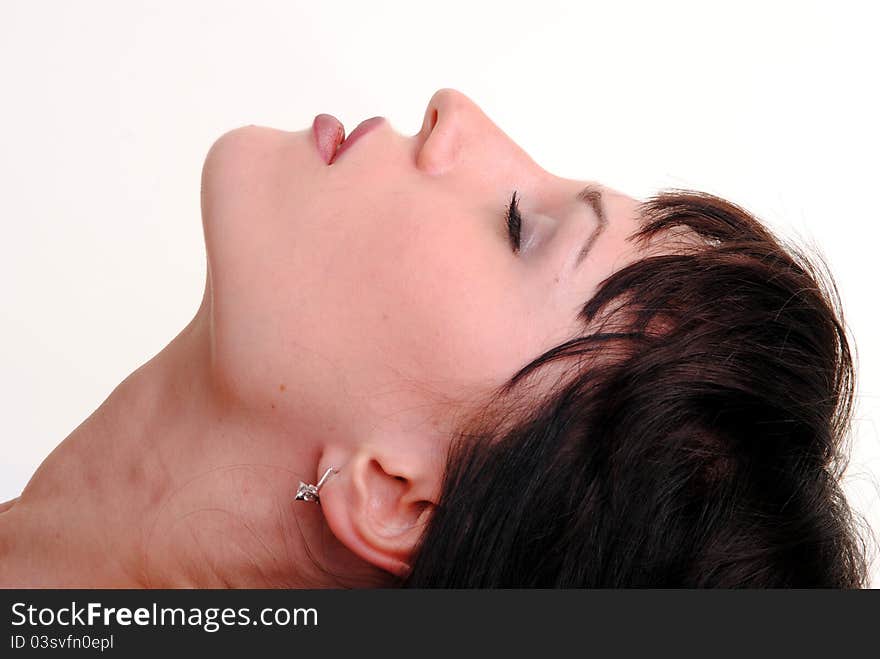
[[330, 139]]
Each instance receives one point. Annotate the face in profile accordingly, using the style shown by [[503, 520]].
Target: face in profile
[[388, 282], [363, 305]]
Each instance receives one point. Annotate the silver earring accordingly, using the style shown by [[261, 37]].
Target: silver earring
[[309, 492]]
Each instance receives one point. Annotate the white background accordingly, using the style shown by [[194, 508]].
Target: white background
[[107, 110]]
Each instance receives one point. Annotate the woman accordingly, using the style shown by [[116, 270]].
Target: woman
[[500, 377]]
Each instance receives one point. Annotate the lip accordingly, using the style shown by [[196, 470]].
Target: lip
[[362, 129], [329, 133]]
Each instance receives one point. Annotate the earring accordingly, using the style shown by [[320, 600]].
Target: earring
[[308, 492]]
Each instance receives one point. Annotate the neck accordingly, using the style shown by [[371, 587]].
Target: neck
[[169, 484]]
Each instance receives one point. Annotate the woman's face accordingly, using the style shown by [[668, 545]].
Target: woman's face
[[385, 283]]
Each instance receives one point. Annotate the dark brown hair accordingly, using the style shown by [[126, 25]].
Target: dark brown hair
[[697, 437]]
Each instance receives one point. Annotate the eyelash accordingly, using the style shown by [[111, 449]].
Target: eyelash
[[514, 222]]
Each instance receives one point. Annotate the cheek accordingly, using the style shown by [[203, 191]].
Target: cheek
[[443, 306]]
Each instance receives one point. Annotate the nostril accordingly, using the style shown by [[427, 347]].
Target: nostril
[[428, 122], [437, 146]]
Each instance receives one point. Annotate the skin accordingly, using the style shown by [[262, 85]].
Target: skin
[[353, 315]]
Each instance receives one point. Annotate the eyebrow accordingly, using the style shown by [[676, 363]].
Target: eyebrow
[[592, 196]]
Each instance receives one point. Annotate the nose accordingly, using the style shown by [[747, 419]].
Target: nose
[[455, 130]]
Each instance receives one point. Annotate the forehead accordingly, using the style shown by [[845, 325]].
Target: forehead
[[622, 205]]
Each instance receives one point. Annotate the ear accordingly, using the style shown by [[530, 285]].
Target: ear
[[378, 506]]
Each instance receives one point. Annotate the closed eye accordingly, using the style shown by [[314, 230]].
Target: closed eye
[[514, 223]]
